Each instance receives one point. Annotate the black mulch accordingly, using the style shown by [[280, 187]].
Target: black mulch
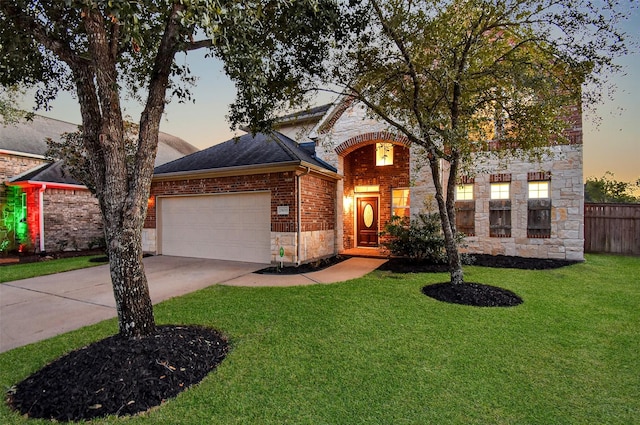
[[473, 294], [120, 376], [406, 265], [313, 266]]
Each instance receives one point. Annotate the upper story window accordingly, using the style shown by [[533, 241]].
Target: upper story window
[[384, 154], [464, 192], [500, 190]]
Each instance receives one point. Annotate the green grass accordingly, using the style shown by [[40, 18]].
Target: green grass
[[376, 351], [41, 268]]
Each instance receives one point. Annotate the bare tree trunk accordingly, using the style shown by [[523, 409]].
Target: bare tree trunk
[[450, 242], [130, 287]]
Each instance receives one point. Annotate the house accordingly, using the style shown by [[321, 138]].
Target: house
[[329, 179], [43, 208]]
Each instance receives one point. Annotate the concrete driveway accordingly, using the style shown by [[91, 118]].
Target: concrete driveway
[[35, 309]]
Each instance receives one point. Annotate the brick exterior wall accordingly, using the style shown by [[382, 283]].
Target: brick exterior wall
[[318, 209], [72, 220], [282, 186], [10, 167], [360, 170]]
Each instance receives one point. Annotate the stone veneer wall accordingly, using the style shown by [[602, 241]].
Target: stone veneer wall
[[564, 164], [314, 245], [567, 209]]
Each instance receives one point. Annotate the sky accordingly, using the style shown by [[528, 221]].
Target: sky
[[611, 136]]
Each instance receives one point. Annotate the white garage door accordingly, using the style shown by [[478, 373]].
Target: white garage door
[[226, 227]]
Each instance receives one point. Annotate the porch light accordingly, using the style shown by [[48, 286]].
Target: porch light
[[151, 202], [347, 202]]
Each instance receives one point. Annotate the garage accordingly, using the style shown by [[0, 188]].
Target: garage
[[234, 226]]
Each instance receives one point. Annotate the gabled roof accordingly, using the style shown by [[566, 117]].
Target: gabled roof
[[52, 172], [246, 151]]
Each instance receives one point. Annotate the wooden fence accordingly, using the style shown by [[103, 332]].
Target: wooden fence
[[613, 228]]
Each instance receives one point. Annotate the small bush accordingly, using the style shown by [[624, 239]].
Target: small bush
[[419, 238]]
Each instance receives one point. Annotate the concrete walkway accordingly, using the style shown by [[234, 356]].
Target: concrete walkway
[[39, 308]]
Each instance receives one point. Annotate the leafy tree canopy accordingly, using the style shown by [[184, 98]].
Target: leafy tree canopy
[[106, 51], [460, 77], [608, 189]]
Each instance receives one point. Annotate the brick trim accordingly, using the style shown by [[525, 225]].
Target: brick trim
[[500, 178], [539, 176], [356, 142]]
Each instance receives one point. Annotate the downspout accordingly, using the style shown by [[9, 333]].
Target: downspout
[[43, 187], [299, 218]]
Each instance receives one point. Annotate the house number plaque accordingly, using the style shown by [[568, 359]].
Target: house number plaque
[[283, 209]]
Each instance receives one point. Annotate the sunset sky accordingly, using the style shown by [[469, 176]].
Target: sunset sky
[[613, 145]]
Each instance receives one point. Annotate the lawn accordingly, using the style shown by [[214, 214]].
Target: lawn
[[23, 271], [376, 351]]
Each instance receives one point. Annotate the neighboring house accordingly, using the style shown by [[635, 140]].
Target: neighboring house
[[274, 199], [43, 208]]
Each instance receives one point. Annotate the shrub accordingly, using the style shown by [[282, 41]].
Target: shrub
[[419, 238]]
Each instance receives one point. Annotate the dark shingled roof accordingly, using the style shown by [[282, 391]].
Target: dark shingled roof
[[247, 150], [53, 172]]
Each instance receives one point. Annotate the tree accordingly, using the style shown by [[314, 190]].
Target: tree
[[9, 113], [607, 189], [458, 76], [103, 51]]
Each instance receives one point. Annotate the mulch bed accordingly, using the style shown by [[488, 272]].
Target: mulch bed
[[406, 265], [120, 376], [469, 293], [313, 266], [472, 294]]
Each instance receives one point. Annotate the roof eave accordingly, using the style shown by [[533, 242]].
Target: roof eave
[[48, 185], [24, 154], [244, 170]]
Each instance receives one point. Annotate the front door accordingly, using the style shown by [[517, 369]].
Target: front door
[[367, 231]]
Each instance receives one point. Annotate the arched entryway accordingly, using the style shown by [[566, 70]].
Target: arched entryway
[[375, 186]]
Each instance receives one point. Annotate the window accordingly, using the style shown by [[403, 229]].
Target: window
[[400, 202], [384, 154], [465, 209], [539, 205], [538, 190], [365, 189], [500, 190], [464, 192]]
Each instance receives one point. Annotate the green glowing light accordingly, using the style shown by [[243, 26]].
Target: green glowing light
[[14, 219]]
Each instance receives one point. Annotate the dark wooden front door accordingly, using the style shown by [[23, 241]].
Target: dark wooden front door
[[367, 232]]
